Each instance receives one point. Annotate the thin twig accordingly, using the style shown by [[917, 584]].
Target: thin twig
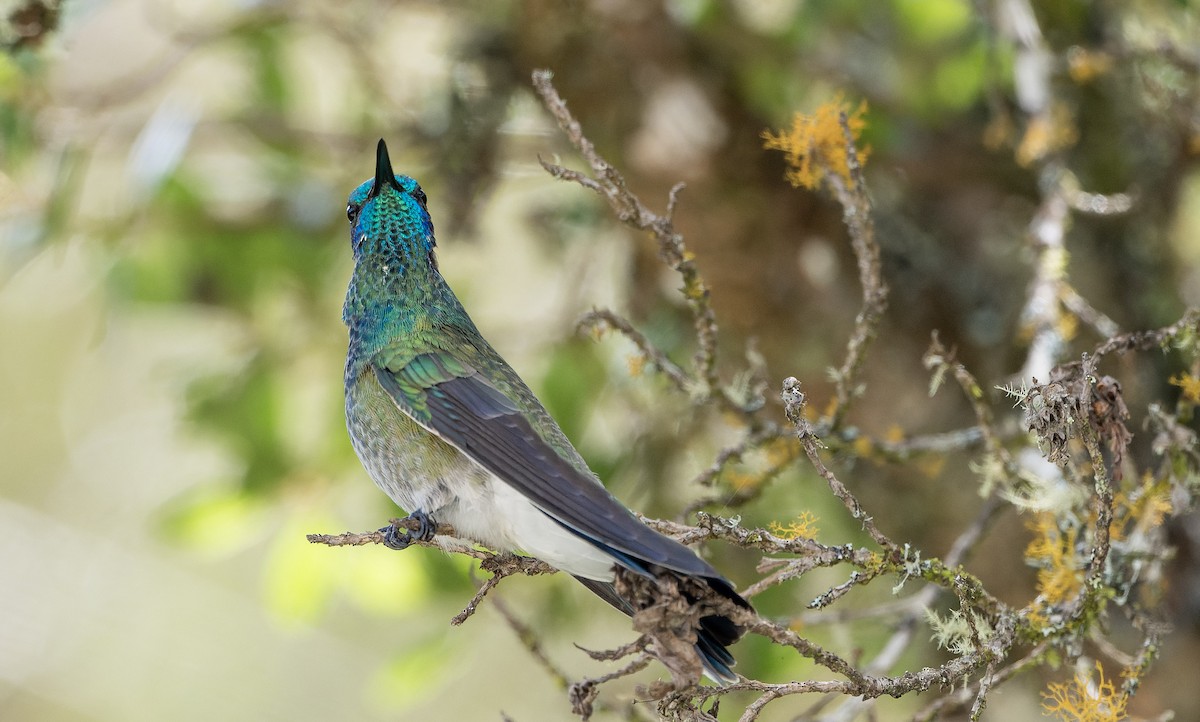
[[600, 320], [857, 216], [794, 401], [377, 537], [970, 692], [629, 209]]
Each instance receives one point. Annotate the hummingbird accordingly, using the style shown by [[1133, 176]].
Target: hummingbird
[[448, 430]]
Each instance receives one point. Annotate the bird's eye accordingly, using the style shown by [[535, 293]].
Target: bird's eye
[[421, 197], [352, 212]]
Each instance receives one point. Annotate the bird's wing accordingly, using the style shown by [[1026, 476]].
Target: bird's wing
[[451, 399]]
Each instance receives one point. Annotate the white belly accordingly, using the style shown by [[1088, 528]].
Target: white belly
[[500, 517]]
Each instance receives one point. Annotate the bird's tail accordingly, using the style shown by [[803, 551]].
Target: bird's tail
[[713, 637]]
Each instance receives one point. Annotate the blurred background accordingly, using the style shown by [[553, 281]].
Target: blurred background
[[173, 257]]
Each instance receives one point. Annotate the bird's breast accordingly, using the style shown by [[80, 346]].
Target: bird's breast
[[414, 467]]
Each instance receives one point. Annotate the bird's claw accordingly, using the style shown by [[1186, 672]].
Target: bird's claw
[[394, 538]]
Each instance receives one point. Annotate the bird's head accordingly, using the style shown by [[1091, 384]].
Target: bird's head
[[389, 216]]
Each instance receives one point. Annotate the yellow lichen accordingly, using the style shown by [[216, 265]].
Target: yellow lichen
[[1085, 700], [816, 144], [782, 451], [1087, 65], [1141, 509], [863, 446], [1046, 134], [1067, 326], [637, 365], [740, 480], [1190, 385], [803, 527], [1052, 550]]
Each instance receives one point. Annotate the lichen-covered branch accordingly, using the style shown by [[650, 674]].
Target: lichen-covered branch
[[794, 401]]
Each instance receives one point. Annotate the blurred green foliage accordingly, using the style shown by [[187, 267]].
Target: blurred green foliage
[[286, 100]]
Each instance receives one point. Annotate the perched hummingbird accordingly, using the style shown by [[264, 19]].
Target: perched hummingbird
[[450, 432]]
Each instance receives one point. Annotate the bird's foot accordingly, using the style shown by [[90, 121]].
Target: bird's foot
[[394, 538]]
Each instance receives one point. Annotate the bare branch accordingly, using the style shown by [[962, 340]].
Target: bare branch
[[794, 402], [600, 320], [629, 209], [856, 214]]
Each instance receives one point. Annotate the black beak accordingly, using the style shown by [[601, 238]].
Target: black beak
[[383, 171]]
